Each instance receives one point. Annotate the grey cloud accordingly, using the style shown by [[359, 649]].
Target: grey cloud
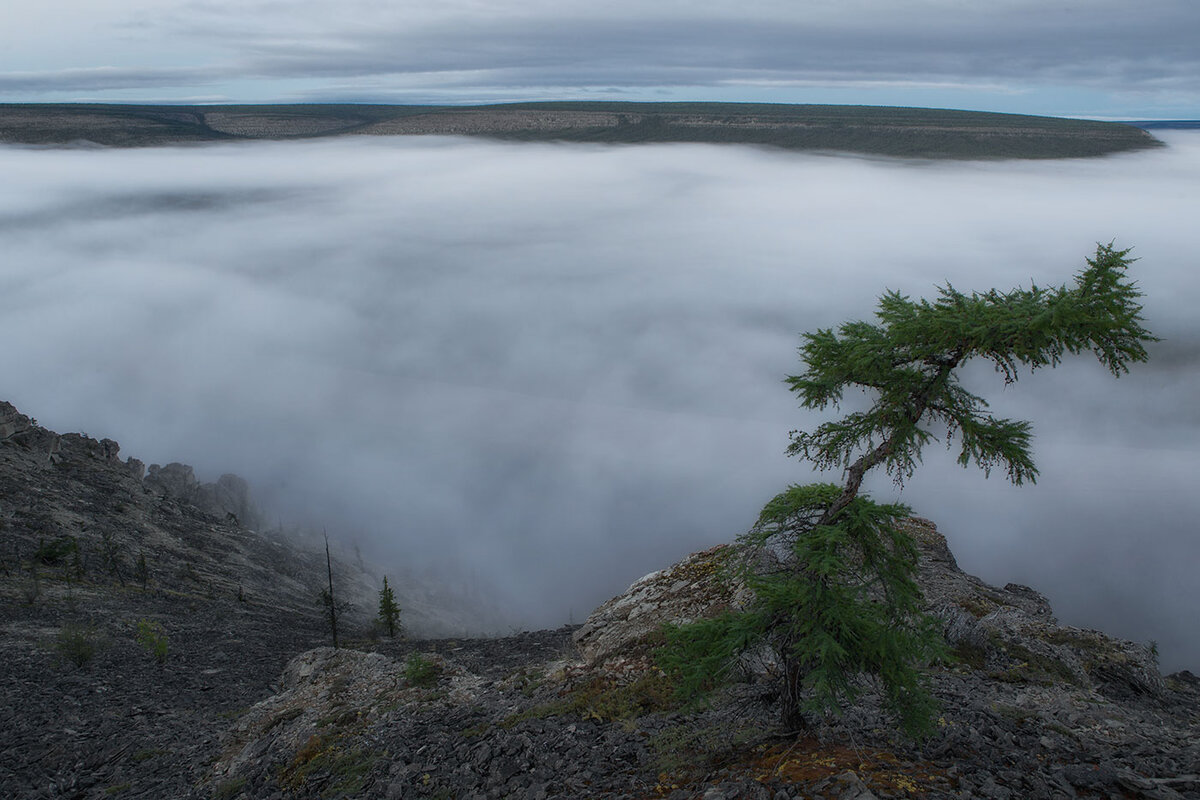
[[1096, 48], [560, 367], [530, 49], [105, 78]]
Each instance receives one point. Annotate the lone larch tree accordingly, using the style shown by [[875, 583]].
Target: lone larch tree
[[833, 573]]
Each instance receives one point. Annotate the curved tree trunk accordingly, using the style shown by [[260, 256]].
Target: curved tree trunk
[[791, 715]]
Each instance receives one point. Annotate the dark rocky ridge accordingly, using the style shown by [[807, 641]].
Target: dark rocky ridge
[[95, 515], [76, 525], [244, 706]]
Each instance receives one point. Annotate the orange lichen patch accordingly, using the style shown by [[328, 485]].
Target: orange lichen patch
[[808, 761], [294, 773], [701, 566]]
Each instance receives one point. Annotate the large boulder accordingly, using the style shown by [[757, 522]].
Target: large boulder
[[325, 698], [697, 587]]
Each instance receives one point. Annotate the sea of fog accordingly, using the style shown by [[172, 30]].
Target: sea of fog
[[550, 369]]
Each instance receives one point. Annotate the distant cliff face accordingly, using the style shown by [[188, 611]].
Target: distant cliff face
[[100, 520], [94, 552], [75, 494], [230, 495]]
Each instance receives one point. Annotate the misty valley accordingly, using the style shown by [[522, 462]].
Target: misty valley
[[563, 393], [518, 377]]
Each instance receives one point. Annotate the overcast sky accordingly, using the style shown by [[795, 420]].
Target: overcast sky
[[557, 368], [1095, 58]]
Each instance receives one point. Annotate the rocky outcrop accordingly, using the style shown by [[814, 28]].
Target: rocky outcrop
[[1012, 634], [1090, 712], [228, 498], [24, 432], [12, 422], [1030, 709]]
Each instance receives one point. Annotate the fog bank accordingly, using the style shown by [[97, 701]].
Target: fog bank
[[560, 367]]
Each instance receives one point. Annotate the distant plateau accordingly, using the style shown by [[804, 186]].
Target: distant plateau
[[876, 130]]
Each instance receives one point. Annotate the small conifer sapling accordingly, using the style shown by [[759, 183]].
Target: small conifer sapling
[[141, 570], [389, 611]]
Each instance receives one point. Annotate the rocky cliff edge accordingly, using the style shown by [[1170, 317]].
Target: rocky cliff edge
[[1030, 709]]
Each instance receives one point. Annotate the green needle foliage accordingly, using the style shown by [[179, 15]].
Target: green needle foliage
[[389, 611], [908, 360], [833, 573], [838, 600], [421, 671], [153, 638]]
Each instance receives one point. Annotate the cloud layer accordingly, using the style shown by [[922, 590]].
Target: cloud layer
[[560, 367], [1097, 59]]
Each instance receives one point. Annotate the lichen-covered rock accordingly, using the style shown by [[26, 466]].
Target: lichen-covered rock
[[946, 586], [351, 724], [695, 588], [1013, 634]]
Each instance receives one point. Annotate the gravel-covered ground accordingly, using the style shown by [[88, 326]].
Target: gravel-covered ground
[[511, 717], [124, 725]]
